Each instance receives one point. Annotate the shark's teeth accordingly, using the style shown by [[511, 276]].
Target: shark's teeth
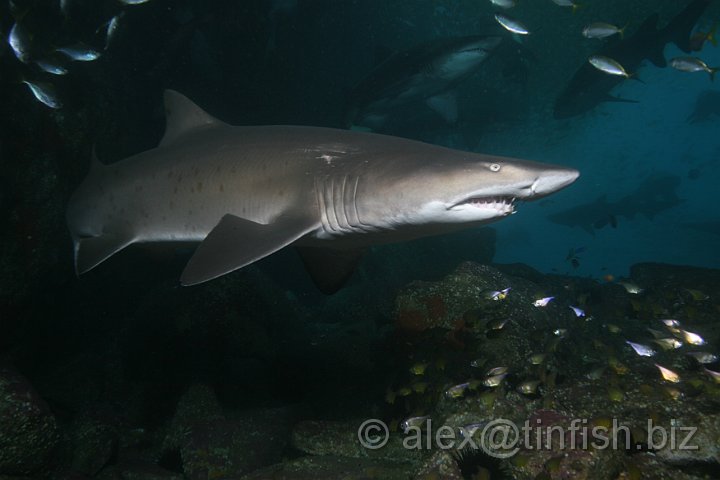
[[503, 204], [492, 200]]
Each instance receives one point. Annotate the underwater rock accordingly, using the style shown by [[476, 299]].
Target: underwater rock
[[702, 447], [230, 447], [137, 470], [28, 430], [94, 444], [197, 404], [340, 438], [333, 468], [664, 275], [561, 453], [440, 465], [424, 305], [647, 465]]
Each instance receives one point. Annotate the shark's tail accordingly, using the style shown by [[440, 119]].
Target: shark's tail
[[679, 29]]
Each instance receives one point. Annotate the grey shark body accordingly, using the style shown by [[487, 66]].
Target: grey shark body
[[246, 192], [426, 72]]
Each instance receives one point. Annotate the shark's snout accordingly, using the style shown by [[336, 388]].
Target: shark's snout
[[553, 180]]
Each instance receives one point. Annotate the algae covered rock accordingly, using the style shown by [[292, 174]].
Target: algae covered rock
[[230, 447], [28, 430], [333, 468], [94, 443], [689, 440], [424, 305], [198, 403], [440, 465], [341, 438], [137, 470]]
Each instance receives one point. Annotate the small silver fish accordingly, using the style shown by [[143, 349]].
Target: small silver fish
[[112, 27], [668, 343], [602, 30], [529, 387], [496, 371], [470, 429], [542, 302], [579, 312], [511, 25], [656, 333], [79, 52], [714, 375], [671, 323], [537, 358], [692, 338], [133, 2], [693, 64], [494, 381], [414, 422], [630, 286], [567, 3], [457, 391], [612, 328], [52, 67], [497, 294], [19, 41], [560, 332], [45, 93], [504, 3], [611, 67], [498, 324], [704, 357], [668, 374], [642, 350], [596, 374]]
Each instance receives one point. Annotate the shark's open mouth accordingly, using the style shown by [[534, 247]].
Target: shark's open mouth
[[505, 205]]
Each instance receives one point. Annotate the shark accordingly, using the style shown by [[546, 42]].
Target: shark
[[427, 72], [655, 195], [589, 87], [245, 192]]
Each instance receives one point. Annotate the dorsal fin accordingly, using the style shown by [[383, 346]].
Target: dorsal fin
[[183, 116]]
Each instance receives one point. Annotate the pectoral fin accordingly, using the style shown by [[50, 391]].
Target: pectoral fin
[[236, 242]]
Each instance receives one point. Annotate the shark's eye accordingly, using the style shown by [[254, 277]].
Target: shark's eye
[[494, 167]]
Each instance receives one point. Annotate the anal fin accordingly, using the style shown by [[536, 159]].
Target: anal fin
[[329, 268], [91, 251]]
